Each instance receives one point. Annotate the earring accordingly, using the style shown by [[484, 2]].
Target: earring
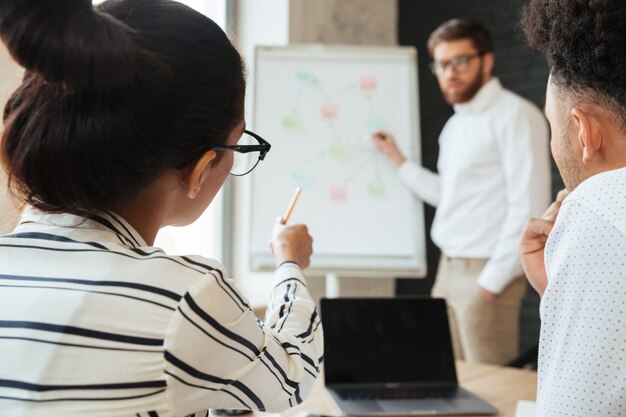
[[193, 193]]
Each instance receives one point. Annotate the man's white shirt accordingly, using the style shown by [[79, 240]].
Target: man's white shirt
[[582, 349], [494, 173]]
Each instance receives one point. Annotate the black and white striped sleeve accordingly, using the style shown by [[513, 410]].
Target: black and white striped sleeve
[[219, 355]]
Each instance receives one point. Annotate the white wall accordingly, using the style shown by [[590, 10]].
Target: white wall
[[10, 76], [259, 23]]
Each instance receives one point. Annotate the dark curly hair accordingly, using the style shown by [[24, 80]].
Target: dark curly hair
[[583, 41]]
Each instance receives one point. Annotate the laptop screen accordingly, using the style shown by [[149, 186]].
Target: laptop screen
[[391, 340]]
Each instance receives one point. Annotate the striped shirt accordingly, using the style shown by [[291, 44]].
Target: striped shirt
[[94, 322]]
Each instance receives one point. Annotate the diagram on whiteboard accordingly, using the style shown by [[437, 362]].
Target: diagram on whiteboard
[[353, 155], [319, 113]]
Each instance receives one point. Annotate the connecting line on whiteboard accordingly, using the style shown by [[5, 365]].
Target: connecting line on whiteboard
[[297, 101], [363, 149], [314, 158], [356, 171], [334, 132], [370, 104], [377, 166], [323, 92], [343, 92]]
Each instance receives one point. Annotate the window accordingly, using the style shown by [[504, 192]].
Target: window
[[204, 237], [215, 9]]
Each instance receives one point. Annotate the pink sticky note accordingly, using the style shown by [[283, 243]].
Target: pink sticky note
[[330, 112], [338, 194], [369, 84]]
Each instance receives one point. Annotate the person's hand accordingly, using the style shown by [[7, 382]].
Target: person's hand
[[534, 238], [386, 143], [291, 243], [488, 295]]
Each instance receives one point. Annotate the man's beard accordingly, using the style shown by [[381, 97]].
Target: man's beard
[[468, 93], [568, 168]]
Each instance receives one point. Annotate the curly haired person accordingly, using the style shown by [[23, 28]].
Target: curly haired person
[[575, 255]]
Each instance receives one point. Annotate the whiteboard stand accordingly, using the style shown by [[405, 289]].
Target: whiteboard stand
[[333, 287], [320, 104]]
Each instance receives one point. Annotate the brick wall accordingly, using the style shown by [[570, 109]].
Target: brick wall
[[353, 22]]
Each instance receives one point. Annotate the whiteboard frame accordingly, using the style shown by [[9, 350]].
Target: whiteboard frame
[[351, 266]]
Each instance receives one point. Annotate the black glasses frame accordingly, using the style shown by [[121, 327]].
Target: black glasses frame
[[461, 60], [263, 148]]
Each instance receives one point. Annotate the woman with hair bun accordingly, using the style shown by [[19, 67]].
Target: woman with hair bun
[[128, 120]]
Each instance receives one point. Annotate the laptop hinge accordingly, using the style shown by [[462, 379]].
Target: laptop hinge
[[394, 385]]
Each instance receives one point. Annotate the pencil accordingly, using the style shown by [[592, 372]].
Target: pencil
[[292, 204]]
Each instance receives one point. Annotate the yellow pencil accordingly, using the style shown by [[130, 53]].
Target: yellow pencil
[[292, 204]]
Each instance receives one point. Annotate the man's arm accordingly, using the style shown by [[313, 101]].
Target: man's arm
[[425, 184], [523, 146]]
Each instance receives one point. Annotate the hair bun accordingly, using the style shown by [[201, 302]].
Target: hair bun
[[69, 42]]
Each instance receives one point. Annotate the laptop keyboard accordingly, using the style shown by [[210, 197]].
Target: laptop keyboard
[[393, 394]]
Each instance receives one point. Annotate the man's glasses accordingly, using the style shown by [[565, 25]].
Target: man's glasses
[[460, 64], [249, 150]]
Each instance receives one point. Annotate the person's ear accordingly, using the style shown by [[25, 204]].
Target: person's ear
[[589, 133], [196, 174], [488, 63]]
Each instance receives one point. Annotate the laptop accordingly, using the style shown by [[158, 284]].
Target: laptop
[[393, 356]]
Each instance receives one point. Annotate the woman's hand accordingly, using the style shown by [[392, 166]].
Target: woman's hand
[[291, 243]]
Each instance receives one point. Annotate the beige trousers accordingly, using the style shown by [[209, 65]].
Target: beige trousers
[[482, 331]]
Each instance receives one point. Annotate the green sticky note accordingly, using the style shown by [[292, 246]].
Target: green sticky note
[[291, 123], [301, 177], [339, 152], [305, 77], [377, 190], [374, 125]]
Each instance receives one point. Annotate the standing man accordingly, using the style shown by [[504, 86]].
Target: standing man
[[581, 270], [494, 172]]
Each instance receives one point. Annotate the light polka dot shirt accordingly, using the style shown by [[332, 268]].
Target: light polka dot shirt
[[582, 350]]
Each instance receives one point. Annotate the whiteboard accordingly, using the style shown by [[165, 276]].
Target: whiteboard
[[317, 106]]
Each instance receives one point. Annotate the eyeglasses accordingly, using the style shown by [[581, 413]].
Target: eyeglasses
[[245, 151], [460, 63]]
